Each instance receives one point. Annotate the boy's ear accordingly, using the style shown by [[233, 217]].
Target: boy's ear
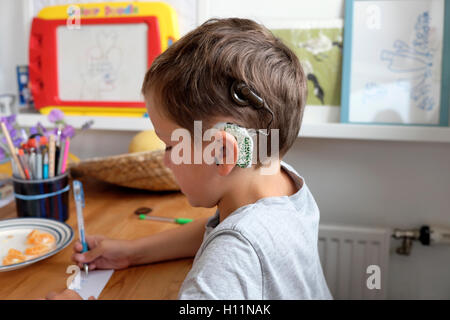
[[226, 158]]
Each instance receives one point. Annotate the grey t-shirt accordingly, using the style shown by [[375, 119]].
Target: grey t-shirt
[[264, 250]]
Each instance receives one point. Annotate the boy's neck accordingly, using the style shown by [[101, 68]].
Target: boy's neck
[[253, 187]]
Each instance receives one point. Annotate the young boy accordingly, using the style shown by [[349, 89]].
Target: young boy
[[262, 241]]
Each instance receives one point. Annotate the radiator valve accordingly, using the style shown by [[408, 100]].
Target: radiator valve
[[426, 235]]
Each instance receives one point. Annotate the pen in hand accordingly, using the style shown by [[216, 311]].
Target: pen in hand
[[79, 203]]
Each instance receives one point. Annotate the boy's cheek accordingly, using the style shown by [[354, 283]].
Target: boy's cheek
[[182, 176], [194, 184], [166, 159]]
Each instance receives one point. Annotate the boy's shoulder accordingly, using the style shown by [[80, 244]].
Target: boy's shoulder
[[270, 217]]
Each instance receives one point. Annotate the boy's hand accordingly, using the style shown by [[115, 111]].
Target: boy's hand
[[103, 253], [65, 295]]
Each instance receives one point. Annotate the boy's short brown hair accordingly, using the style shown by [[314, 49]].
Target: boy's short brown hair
[[192, 78]]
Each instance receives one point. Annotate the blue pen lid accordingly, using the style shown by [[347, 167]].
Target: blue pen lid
[[78, 192]]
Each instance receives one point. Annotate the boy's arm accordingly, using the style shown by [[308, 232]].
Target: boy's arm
[[182, 242]]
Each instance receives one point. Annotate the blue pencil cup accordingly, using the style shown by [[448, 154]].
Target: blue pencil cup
[[47, 198]]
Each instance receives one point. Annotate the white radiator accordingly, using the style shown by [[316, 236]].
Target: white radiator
[[346, 253]]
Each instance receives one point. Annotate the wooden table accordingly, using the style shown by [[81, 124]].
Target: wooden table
[[109, 211]]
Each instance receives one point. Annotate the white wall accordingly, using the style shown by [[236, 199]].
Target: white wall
[[385, 184], [13, 47], [369, 183]]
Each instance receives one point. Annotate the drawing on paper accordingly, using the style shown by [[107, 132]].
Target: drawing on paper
[[103, 62], [395, 68], [414, 61], [320, 53]]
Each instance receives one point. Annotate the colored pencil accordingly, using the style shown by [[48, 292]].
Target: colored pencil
[[66, 154], [61, 156], [51, 161], [24, 164], [12, 151]]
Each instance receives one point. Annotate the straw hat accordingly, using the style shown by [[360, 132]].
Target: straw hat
[[141, 170]]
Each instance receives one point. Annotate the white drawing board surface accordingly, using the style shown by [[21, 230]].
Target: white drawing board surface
[[102, 62], [396, 61]]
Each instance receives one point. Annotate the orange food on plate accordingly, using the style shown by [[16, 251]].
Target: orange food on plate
[[37, 250], [32, 235], [14, 256], [40, 243], [14, 252], [37, 237]]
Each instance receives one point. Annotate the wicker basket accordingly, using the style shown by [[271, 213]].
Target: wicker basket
[[142, 170]]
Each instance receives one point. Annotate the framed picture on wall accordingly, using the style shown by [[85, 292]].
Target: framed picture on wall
[[318, 45], [396, 66]]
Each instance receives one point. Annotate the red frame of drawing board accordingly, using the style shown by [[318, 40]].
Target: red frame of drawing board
[[43, 65]]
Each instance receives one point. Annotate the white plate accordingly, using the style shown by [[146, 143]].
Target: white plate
[[13, 234]]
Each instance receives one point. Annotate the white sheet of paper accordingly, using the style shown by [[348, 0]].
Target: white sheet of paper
[[92, 285]]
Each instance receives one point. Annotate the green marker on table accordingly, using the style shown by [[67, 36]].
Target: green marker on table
[[173, 220]]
